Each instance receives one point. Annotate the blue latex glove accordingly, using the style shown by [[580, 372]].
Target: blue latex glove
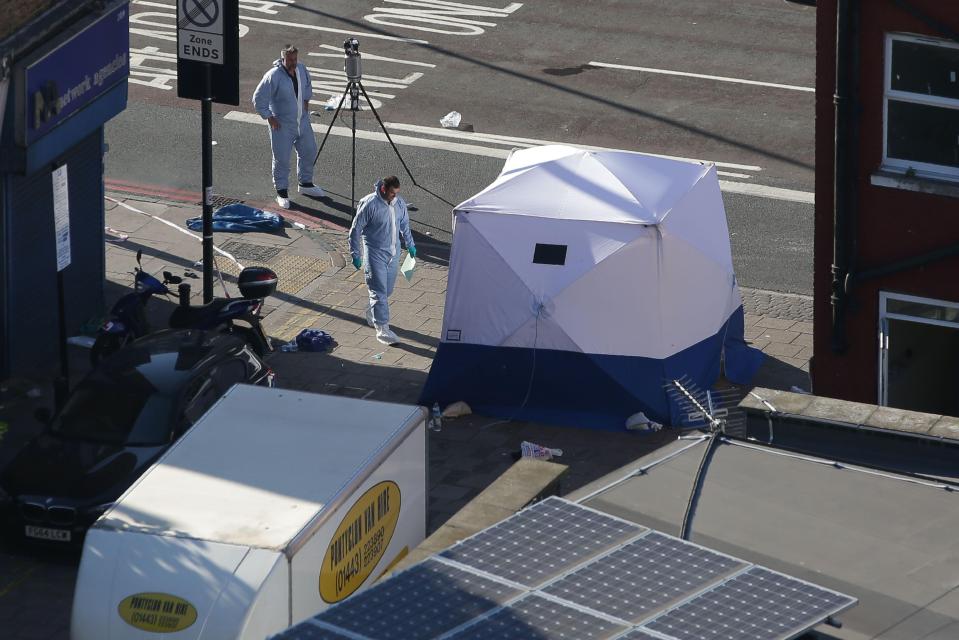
[[357, 262], [412, 251]]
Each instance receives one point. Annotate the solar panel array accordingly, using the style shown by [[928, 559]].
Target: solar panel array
[[541, 542], [551, 621], [643, 576], [424, 602], [558, 571]]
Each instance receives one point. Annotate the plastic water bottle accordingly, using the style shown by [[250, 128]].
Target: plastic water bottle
[[290, 346], [436, 418]]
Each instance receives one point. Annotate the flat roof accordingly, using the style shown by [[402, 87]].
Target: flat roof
[[260, 466], [886, 539]]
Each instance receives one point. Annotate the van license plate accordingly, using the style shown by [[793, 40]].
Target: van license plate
[[43, 533]]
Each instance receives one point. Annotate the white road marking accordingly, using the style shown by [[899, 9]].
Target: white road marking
[[667, 72], [367, 56], [762, 191], [170, 33], [383, 82], [264, 6], [177, 227], [452, 18], [379, 136], [533, 142], [283, 23], [162, 5], [159, 77], [348, 32], [757, 190]]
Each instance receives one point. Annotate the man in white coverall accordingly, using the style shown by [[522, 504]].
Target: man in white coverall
[[381, 218], [283, 98]]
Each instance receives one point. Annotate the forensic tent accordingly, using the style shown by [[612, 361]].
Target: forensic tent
[[581, 283]]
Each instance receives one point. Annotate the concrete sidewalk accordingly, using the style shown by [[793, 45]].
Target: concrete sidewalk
[[320, 289]]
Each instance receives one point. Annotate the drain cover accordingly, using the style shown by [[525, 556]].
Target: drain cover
[[251, 252], [221, 201]]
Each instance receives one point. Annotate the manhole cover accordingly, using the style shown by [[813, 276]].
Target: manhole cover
[[251, 252], [221, 201]]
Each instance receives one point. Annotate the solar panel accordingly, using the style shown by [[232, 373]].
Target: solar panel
[[758, 603], [542, 619], [542, 541], [309, 631], [639, 634], [420, 603], [644, 576]]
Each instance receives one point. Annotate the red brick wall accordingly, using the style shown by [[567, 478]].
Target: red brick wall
[[892, 223]]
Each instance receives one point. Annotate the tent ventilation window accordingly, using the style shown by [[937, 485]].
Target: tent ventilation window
[[550, 254]]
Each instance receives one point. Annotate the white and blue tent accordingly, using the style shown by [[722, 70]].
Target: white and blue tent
[[581, 282]]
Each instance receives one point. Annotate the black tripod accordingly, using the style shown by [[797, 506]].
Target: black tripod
[[354, 86]]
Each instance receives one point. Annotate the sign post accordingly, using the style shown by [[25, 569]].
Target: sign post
[[208, 70], [61, 221]]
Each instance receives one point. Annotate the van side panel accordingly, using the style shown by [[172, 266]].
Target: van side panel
[[365, 548]]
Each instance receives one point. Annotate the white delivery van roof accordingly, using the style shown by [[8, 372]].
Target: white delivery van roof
[[260, 466]]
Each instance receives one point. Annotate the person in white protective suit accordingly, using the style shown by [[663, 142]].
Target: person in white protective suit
[[381, 218], [283, 98]]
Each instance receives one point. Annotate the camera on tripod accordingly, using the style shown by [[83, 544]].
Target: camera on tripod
[[353, 66], [352, 63]]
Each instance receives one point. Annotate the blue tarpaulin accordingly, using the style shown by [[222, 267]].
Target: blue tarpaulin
[[240, 217]]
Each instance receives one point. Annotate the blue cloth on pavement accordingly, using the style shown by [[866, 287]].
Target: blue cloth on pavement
[[239, 217], [376, 229], [274, 96]]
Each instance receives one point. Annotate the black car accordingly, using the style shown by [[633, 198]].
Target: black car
[[116, 423]]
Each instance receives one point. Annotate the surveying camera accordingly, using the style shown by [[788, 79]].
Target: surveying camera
[[353, 66], [352, 63]]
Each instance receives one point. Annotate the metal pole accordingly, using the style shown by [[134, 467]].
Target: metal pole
[[353, 168], [62, 386], [842, 185], [332, 122], [206, 135]]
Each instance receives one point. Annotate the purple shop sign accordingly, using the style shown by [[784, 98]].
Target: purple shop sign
[[64, 80]]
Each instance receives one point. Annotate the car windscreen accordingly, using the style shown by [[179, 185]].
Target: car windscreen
[[123, 408]]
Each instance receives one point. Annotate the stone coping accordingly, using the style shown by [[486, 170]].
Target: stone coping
[[855, 414]]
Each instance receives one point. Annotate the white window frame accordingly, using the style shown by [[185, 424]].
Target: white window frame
[[885, 316], [922, 169]]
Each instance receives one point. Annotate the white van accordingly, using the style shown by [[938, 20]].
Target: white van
[[273, 506]]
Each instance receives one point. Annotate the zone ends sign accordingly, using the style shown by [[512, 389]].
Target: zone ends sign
[[208, 50], [200, 30]]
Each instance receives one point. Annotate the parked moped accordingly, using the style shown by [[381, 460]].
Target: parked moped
[[128, 321]]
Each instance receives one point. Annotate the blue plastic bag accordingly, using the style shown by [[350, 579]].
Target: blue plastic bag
[[313, 340], [240, 217]]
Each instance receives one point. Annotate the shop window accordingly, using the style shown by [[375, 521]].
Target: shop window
[[922, 107]]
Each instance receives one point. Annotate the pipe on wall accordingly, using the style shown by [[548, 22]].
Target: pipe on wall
[[842, 150]]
